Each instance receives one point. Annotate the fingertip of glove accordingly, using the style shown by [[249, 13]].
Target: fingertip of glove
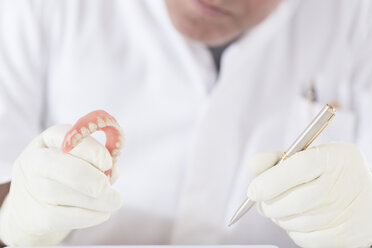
[[263, 161], [107, 162], [53, 136], [94, 153], [252, 191], [119, 201], [114, 174], [114, 202]]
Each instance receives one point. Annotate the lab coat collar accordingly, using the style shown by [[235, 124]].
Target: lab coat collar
[[195, 55]]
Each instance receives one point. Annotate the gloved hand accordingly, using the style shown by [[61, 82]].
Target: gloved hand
[[322, 196], [52, 193]]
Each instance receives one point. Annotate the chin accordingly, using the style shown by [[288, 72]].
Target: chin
[[209, 40], [200, 32], [211, 32]]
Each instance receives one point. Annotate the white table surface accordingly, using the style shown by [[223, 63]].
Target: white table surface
[[176, 246]]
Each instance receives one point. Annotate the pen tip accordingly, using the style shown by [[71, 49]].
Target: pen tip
[[232, 221], [244, 208]]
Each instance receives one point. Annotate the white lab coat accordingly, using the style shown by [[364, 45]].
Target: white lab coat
[[188, 132]]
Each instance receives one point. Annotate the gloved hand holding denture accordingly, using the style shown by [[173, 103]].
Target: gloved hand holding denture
[[322, 196], [53, 192]]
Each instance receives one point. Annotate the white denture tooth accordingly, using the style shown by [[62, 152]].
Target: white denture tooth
[[116, 125], [76, 139], [114, 160], [101, 123], [115, 153], [84, 131], [119, 145], [78, 136], [109, 122], [92, 127]]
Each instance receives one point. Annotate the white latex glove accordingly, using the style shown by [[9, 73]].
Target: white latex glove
[[322, 196], [52, 192]]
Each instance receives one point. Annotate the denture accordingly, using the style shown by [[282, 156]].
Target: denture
[[98, 120]]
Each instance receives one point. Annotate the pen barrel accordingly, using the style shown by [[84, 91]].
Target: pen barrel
[[311, 132], [303, 141]]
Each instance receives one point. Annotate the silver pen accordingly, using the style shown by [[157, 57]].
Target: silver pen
[[303, 141]]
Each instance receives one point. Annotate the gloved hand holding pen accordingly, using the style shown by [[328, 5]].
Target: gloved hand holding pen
[[52, 192], [322, 196]]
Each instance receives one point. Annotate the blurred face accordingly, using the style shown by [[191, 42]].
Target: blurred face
[[217, 22]]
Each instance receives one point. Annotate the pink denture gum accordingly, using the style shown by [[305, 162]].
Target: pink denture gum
[[98, 120]]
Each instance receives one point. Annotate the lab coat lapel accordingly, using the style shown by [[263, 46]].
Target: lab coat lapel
[[218, 143], [214, 158]]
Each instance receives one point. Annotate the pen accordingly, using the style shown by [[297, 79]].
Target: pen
[[303, 141]]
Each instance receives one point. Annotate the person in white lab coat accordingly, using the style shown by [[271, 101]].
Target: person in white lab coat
[[199, 87]]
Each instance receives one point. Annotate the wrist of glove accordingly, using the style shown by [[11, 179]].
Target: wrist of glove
[[322, 196], [12, 233], [52, 193]]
